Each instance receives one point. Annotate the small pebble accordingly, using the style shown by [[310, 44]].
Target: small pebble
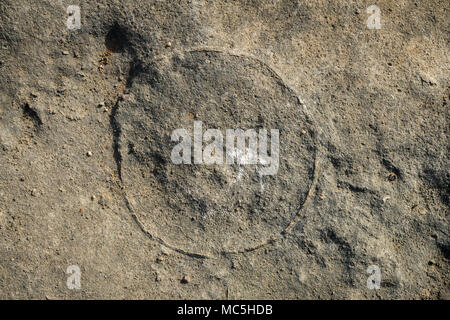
[[186, 279], [166, 251], [34, 192], [93, 198], [392, 176], [66, 53], [89, 154], [169, 44]]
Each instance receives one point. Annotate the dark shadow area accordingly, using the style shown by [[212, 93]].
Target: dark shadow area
[[117, 39], [31, 115]]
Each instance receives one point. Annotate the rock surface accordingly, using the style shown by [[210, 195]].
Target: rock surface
[[86, 117]]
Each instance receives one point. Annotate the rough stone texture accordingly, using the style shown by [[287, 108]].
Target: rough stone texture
[[86, 178]]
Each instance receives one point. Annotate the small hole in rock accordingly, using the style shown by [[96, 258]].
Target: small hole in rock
[[117, 39]]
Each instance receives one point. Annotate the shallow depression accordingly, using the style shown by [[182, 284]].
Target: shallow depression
[[209, 209]]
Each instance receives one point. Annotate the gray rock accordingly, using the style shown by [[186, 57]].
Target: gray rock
[[363, 178]]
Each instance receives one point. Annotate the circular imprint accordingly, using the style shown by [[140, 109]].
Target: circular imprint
[[209, 209]]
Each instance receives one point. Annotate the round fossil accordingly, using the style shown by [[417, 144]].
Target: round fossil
[[187, 180]]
